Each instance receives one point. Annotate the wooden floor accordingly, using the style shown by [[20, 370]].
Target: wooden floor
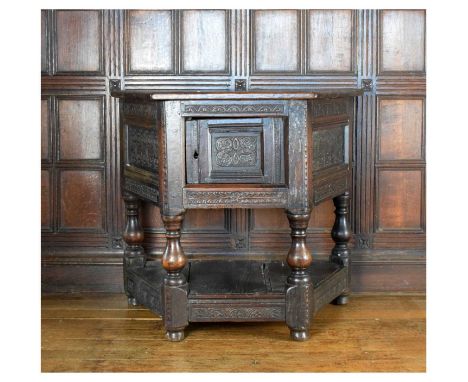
[[101, 333]]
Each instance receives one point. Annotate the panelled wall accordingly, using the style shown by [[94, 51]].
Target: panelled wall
[[85, 53]]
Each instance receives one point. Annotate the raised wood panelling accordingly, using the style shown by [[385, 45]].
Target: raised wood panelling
[[80, 129], [149, 37], [79, 42], [82, 200], [400, 129], [399, 199], [205, 42], [276, 38], [271, 49], [331, 41], [402, 41]]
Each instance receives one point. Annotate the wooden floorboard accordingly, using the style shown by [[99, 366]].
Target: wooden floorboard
[[101, 333]]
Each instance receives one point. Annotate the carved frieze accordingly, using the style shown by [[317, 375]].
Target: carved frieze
[[201, 198], [233, 109]]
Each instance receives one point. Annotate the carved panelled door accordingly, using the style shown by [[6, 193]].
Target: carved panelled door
[[84, 53]]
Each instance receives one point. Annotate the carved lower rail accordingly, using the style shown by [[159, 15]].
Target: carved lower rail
[[264, 301], [232, 310]]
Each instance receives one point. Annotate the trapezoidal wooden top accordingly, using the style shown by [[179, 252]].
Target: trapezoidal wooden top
[[151, 95]]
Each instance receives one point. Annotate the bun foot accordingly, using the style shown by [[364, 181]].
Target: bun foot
[[176, 336], [341, 300], [132, 301], [299, 335]]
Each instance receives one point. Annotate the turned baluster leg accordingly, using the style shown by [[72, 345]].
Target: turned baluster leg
[[341, 234], [299, 288], [134, 254], [175, 285]]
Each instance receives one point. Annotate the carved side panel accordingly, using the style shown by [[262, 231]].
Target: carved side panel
[[330, 147], [140, 143], [142, 146]]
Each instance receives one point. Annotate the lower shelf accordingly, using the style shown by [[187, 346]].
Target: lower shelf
[[235, 290]]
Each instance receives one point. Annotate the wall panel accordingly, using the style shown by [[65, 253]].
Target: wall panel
[[82, 204], [400, 129], [402, 41], [330, 35], [79, 41], [80, 129], [399, 200], [150, 42], [275, 41], [205, 41]]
